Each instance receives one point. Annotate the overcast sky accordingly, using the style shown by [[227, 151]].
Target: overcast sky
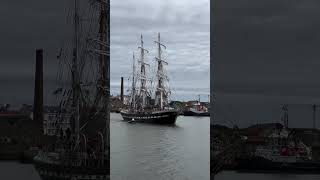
[[267, 51], [184, 26], [244, 115], [28, 25]]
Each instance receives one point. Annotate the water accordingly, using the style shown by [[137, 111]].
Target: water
[[13, 170], [145, 151], [230, 175], [157, 152]]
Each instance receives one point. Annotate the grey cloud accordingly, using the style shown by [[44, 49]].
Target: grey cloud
[[45, 24], [268, 48], [184, 27], [244, 115]]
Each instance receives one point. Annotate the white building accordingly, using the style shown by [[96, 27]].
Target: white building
[[53, 121], [51, 125]]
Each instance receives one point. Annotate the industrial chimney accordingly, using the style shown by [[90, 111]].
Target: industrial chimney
[[38, 88], [314, 116], [121, 95]]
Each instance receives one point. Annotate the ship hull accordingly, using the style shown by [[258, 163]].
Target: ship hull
[[163, 117], [260, 164], [191, 113]]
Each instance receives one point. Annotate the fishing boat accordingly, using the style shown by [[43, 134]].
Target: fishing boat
[[82, 151], [196, 109], [144, 108], [282, 152]]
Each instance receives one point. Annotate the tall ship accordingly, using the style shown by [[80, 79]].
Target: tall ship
[[144, 108], [82, 151]]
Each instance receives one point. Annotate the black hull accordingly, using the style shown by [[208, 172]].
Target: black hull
[[60, 172], [259, 164], [191, 113], [163, 117]]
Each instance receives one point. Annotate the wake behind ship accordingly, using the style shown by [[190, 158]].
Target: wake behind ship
[[142, 107]]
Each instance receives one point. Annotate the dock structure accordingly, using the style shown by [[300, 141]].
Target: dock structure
[[224, 157]]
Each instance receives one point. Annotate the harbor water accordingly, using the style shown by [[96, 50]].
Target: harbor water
[[231, 175], [145, 151], [14, 170], [160, 152]]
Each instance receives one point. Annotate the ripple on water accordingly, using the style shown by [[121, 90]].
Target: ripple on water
[[148, 151]]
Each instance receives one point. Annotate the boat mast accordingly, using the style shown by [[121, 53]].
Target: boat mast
[[133, 83], [143, 75], [75, 72], [104, 31], [160, 74]]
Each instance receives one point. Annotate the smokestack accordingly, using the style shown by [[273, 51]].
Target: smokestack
[[38, 88], [314, 116], [121, 95]]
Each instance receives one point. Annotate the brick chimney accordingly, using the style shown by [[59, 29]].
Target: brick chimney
[[121, 95], [38, 88]]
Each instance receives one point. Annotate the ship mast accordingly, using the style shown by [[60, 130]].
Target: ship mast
[[104, 31], [101, 101], [133, 84], [75, 73], [143, 75], [160, 75]]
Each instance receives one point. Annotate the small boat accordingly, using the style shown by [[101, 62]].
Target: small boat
[[131, 121], [193, 112], [197, 109], [282, 152]]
